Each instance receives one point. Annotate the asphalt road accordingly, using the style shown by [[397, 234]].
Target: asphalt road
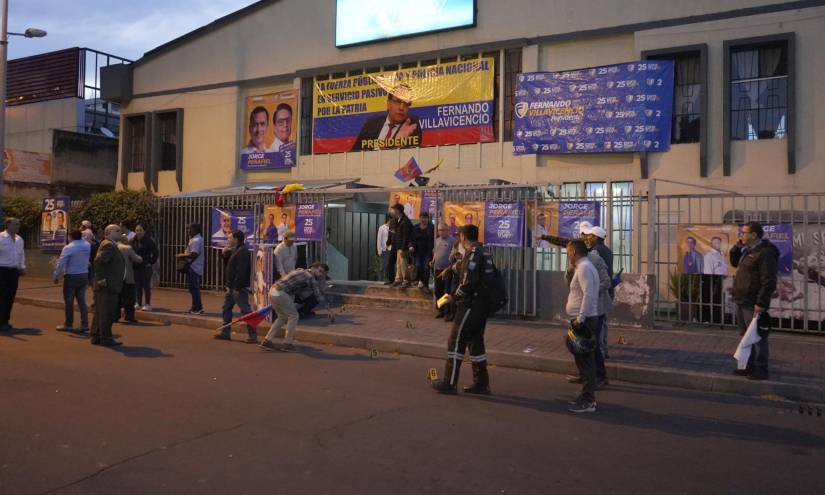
[[173, 411]]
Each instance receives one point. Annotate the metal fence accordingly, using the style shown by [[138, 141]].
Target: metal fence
[[705, 298]]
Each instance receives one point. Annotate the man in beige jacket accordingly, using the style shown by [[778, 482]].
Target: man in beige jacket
[[127, 295]]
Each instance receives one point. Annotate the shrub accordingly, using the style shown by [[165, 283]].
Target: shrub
[[116, 207], [26, 210]]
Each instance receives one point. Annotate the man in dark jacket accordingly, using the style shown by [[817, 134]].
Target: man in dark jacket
[[401, 242], [237, 274], [110, 274], [471, 318], [422, 249], [146, 248], [756, 261]]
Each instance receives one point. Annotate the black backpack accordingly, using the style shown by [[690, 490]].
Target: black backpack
[[494, 290]]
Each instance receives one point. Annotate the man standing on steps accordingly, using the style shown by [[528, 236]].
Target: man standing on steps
[[110, 273], [401, 240], [237, 269], [471, 318]]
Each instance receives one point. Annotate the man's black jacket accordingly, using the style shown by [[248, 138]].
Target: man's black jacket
[[401, 233], [755, 279], [423, 239], [237, 268]]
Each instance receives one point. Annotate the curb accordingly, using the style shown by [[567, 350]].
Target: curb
[[690, 380]]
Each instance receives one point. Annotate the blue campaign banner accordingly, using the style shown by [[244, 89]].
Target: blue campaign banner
[[225, 221], [572, 213], [614, 108], [504, 223], [781, 235], [269, 160], [54, 222], [309, 222]]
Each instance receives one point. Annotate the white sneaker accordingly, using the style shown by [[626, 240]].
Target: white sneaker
[[146, 308], [137, 306]]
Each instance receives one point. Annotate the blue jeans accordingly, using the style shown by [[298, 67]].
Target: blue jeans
[[193, 283], [74, 288], [598, 354], [422, 267], [230, 299], [384, 267]]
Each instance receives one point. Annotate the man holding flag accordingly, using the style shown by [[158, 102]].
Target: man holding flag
[[237, 269]]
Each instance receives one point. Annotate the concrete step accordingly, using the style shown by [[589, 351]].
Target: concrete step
[[398, 302], [379, 290]]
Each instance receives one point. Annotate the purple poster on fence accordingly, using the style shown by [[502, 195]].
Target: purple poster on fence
[[504, 223], [781, 235], [309, 222], [571, 213], [225, 221], [429, 203]]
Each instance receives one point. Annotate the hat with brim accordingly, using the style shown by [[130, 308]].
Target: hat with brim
[[584, 227]]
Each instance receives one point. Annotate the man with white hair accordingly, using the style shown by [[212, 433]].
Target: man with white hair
[[87, 234], [12, 266], [110, 274]]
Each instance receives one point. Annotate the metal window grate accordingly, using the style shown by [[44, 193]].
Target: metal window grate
[[759, 91]]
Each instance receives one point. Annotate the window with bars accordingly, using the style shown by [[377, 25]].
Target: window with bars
[[136, 148], [687, 95], [620, 240], [512, 67], [570, 190], [759, 91], [306, 115], [168, 140]]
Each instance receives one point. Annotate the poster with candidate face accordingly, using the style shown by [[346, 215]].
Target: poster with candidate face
[[275, 222], [560, 218], [459, 214], [271, 125], [704, 249], [224, 221], [410, 200], [54, 222]]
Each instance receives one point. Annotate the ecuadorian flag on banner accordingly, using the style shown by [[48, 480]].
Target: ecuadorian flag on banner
[[450, 103]]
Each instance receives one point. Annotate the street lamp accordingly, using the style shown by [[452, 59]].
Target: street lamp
[[4, 41]]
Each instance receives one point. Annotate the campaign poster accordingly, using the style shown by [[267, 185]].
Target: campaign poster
[[410, 200], [54, 222], [309, 222], [27, 166], [459, 214], [781, 235], [569, 214], [271, 125], [224, 221], [705, 249], [275, 222], [608, 109], [262, 276], [504, 223], [449, 103], [429, 203]]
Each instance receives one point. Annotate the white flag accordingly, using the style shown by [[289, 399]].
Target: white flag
[[743, 351]]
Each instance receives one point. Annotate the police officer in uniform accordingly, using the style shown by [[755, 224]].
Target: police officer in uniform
[[470, 319]]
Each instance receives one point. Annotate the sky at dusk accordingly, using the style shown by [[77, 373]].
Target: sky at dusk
[[127, 28]]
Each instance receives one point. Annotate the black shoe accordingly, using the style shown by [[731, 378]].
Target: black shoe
[[267, 345], [744, 372], [96, 342], [442, 387], [477, 389], [449, 317], [130, 321], [600, 384], [252, 339], [221, 336], [439, 315], [111, 343], [5, 327], [583, 407], [758, 376]]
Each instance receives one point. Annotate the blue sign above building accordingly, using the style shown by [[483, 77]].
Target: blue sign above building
[[614, 108]]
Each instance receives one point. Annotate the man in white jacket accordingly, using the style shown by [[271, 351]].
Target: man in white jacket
[[583, 309]]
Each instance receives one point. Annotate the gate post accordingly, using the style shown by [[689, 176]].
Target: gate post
[[652, 225]]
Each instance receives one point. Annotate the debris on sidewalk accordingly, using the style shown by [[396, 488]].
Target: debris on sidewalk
[[529, 349], [622, 340]]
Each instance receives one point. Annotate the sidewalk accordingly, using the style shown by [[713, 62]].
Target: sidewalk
[[697, 359]]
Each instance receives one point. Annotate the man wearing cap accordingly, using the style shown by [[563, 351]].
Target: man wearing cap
[[397, 129], [286, 253], [594, 238]]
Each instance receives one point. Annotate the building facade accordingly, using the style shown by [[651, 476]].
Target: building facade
[[184, 103]]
